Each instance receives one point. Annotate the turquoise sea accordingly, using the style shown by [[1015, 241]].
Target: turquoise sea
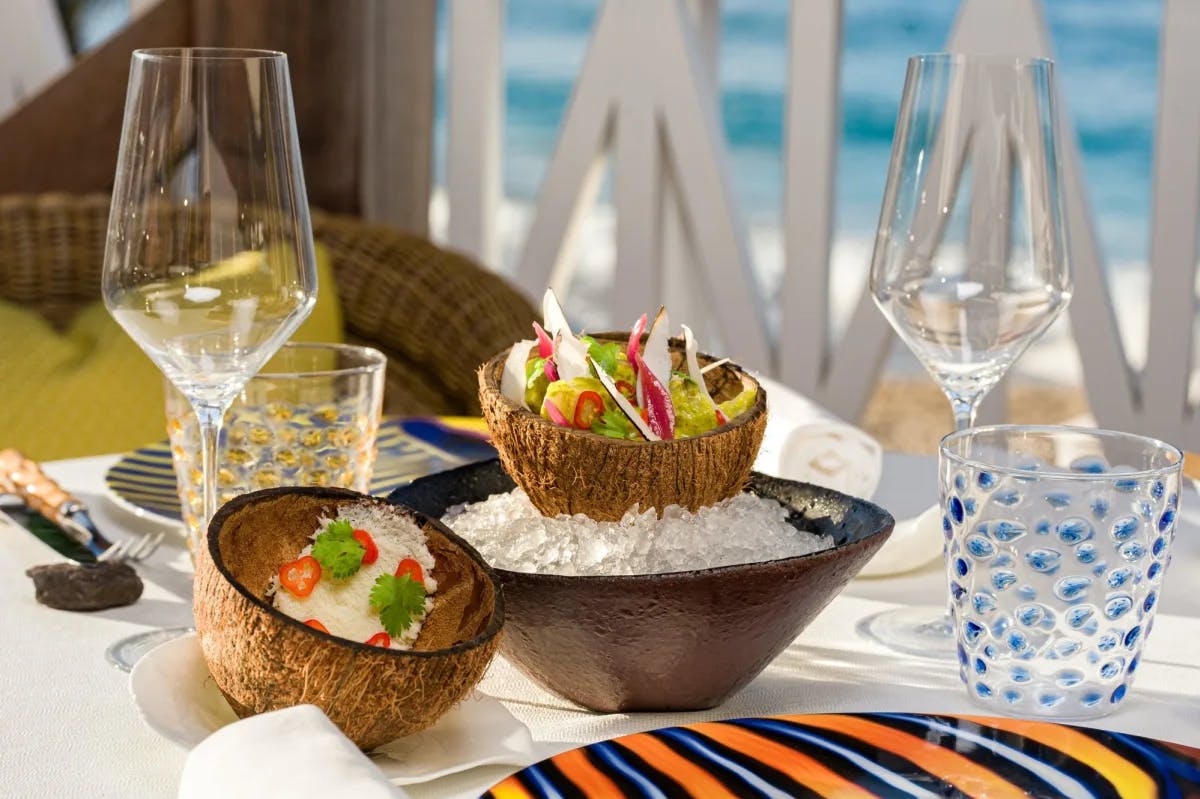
[[1106, 51]]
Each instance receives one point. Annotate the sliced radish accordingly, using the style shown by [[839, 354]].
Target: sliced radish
[[657, 402], [570, 356], [657, 352], [693, 367], [512, 380], [545, 343], [624, 404], [550, 369], [555, 414], [635, 340]]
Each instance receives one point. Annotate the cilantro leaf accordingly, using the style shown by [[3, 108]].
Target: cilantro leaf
[[605, 355], [337, 550], [614, 424], [399, 600]]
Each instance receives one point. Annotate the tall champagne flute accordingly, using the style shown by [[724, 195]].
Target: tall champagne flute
[[970, 262], [209, 264]]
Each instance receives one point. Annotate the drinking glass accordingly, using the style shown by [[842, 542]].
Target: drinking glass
[[309, 417], [209, 264], [970, 262], [1058, 539]]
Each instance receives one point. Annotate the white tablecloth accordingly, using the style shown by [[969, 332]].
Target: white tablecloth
[[70, 728]]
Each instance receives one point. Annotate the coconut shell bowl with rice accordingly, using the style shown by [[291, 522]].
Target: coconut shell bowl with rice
[[644, 566], [297, 603]]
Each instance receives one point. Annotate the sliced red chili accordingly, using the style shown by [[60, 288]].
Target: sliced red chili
[[300, 576], [626, 388], [380, 639], [721, 418], [588, 408], [412, 569], [372, 552], [316, 625]]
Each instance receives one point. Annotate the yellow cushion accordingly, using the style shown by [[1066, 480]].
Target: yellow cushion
[[91, 390]]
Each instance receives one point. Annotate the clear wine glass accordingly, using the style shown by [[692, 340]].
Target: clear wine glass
[[209, 264], [970, 262]]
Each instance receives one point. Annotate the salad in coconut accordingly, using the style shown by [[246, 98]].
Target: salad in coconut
[[626, 390]]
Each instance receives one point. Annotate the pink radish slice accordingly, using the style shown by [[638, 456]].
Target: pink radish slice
[[659, 410], [512, 380], [624, 404], [635, 340], [550, 370], [545, 345], [555, 414]]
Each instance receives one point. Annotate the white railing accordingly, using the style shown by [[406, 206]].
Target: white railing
[[645, 98]]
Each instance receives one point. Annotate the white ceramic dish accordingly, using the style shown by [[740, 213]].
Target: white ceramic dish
[[178, 699]]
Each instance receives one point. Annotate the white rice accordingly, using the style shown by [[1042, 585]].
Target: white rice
[[344, 606]]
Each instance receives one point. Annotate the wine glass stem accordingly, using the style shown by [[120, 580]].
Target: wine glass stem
[[964, 412], [210, 418]]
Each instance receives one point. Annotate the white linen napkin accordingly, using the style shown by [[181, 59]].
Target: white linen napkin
[[808, 443], [295, 751]]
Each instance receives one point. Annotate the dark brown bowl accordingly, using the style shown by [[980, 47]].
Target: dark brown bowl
[[679, 641]]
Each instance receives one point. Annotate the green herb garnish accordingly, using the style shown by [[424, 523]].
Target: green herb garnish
[[614, 424], [399, 600], [605, 355], [337, 550]]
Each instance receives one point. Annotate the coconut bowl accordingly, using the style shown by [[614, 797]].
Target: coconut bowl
[[263, 660], [567, 470], [678, 641]]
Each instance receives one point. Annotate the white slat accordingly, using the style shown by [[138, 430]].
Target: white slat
[[474, 126], [812, 129], [573, 174], [33, 49], [1173, 231], [695, 140]]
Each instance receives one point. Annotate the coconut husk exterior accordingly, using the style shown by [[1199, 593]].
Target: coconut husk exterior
[[565, 470], [263, 660]]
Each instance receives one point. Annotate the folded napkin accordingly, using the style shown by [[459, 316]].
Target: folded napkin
[[297, 751], [806, 442]]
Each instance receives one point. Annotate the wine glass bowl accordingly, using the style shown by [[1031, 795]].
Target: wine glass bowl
[[970, 263], [209, 264]]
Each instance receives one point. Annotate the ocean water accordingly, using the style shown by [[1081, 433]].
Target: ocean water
[[1107, 60]]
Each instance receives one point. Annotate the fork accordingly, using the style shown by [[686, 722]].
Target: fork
[[23, 477]]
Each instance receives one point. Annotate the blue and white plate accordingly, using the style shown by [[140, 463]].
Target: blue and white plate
[[143, 481]]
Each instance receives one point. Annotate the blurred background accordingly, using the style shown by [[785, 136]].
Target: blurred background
[[1107, 54]]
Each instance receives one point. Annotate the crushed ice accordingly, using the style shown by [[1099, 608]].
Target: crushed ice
[[512, 534]]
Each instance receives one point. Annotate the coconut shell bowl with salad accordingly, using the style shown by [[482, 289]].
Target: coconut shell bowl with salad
[[598, 424], [644, 566]]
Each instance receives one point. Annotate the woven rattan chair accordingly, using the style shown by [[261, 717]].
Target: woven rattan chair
[[436, 314]]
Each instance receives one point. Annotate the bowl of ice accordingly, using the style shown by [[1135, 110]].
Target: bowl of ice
[[649, 613]]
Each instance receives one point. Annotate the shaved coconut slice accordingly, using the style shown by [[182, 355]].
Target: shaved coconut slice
[[570, 356], [693, 364], [552, 315], [512, 382], [657, 352], [624, 404]]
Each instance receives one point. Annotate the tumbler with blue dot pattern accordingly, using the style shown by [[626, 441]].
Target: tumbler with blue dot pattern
[[1057, 541]]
